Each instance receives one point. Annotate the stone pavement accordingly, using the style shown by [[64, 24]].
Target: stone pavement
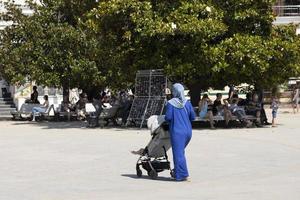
[[64, 161]]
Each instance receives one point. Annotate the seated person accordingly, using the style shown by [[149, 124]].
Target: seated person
[[80, 106], [220, 109], [113, 100], [40, 109], [238, 111], [244, 102], [254, 108], [93, 117], [33, 97], [97, 104], [217, 105], [204, 112], [105, 100], [126, 101], [66, 106]]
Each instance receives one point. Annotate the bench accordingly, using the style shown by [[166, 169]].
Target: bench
[[25, 111], [233, 119], [218, 118], [64, 114], [221, 118], [109, 115], [47, 114]]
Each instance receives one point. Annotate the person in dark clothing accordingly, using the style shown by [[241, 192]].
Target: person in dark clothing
[[126, 101], [221, 110], [217, 105], [97, 104], [33, 97], [66, 106], [80, 106], [231, 92], [244, 102], [263, 116], [254, 108]]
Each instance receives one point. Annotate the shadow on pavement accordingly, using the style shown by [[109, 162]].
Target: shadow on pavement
[[72, 125], [134, 176], [54, 125]]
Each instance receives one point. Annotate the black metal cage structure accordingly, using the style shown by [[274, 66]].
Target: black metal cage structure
[[150, 96]]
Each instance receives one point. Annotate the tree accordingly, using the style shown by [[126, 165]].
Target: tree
[[258, 61], [201, 43], [48, 48], [173, 35]]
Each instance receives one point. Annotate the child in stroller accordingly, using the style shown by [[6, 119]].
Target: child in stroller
[[153, 158]]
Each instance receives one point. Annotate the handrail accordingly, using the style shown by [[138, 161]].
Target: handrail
[[287, 10], [297, 6]]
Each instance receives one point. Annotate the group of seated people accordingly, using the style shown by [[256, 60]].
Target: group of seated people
[[34, 100], [233, 106], [99, 101]]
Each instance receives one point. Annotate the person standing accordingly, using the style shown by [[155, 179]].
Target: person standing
[[274, 106], [296, 99], [179, 114]]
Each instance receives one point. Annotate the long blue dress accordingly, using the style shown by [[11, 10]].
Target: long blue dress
[[181, 133]]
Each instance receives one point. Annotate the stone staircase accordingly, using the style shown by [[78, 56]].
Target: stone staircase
[[6, 106]]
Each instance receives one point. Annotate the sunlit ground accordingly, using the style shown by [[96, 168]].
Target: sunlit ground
[[65, 161]]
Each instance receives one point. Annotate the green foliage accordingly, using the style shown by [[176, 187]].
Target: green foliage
[[206, 43], [258, 61], [247, 16], [48, 50], [159, 34]]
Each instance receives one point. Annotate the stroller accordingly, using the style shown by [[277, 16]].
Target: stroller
[[154, 158]]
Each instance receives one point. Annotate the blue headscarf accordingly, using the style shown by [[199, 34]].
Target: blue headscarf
[[178, 99]]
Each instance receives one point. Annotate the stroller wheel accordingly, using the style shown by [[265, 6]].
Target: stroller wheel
[[153, 174]]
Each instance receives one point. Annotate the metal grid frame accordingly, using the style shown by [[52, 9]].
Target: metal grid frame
[[150, 97]]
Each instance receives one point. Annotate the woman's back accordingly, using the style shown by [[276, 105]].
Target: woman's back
[[180, 118]]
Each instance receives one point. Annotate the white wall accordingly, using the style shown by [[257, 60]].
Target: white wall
[[298, 31]]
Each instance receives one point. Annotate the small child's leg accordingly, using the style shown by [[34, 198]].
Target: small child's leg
[[274, 115]]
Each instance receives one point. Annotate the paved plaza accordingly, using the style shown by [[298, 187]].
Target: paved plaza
[[65, 161]]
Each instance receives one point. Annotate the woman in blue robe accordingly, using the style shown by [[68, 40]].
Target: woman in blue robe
[[179, 114]]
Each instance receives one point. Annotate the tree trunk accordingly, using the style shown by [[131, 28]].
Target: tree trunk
[[66, 92], [195, 94]]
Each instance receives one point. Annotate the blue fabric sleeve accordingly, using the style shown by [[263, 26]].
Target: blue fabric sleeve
[[169, 112]]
